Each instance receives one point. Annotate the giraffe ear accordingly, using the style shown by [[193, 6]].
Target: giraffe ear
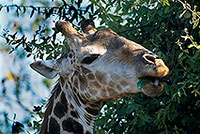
[[88, 26], [48, 69]]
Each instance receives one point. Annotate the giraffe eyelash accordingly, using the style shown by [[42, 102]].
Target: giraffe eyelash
[[88, 59]]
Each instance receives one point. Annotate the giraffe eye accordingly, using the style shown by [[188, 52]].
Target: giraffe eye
[[88, 59]]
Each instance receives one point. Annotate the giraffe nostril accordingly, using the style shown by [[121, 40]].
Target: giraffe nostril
[[150, 58]]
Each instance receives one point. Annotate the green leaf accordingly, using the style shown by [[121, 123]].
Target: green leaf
[[197, 104], [32, 12], [140, 85], [121, 111], [166, 10], [167, 2], [130, 109], [194, 44], [187, 14], [29, 124], [180, 55], [141, 82], [195, 24], [102, 121]]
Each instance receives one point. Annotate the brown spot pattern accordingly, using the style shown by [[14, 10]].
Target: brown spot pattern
[[93, 91], [74, 114], [83, 80], [91, 76], [87, 132], [73, 126], [114, 76], [95, 84], [100, 77], [111, 92], [60, 110], [54, 127], [64, 101], [85, 70], [49, 107], [111, 84], [123, 83], [119, 87]]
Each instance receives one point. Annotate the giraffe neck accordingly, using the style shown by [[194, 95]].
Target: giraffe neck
[[69, 112]]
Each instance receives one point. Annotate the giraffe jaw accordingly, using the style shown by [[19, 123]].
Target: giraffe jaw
[[152, 86]]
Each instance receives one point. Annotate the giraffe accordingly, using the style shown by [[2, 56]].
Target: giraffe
[[100, 66]]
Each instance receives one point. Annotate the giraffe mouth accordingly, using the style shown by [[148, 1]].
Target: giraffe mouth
[[151, 86]]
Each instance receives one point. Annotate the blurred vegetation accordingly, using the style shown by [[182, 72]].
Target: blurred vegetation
[[169, 28]]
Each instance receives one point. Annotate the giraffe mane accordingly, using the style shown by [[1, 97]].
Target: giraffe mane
[[49, 106]]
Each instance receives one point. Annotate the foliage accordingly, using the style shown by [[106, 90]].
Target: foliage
[[169, 28], [45, 38], [172, 31]]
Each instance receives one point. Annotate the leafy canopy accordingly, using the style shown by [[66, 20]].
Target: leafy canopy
[[169, 28]]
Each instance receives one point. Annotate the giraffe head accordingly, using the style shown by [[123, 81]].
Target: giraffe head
[[104, 64]]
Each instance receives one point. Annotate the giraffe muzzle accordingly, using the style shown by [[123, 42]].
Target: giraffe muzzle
[[153, 85]]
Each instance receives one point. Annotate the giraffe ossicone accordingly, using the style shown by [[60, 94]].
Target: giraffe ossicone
[[100, 66]]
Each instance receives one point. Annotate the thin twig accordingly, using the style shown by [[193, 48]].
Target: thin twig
[[133, 28], [41, 7], [188, 7]]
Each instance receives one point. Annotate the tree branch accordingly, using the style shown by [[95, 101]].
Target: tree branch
[[187, 6], [133, 28]]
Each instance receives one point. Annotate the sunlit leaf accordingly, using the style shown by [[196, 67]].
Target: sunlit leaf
[[196, 24], [9, 75]]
